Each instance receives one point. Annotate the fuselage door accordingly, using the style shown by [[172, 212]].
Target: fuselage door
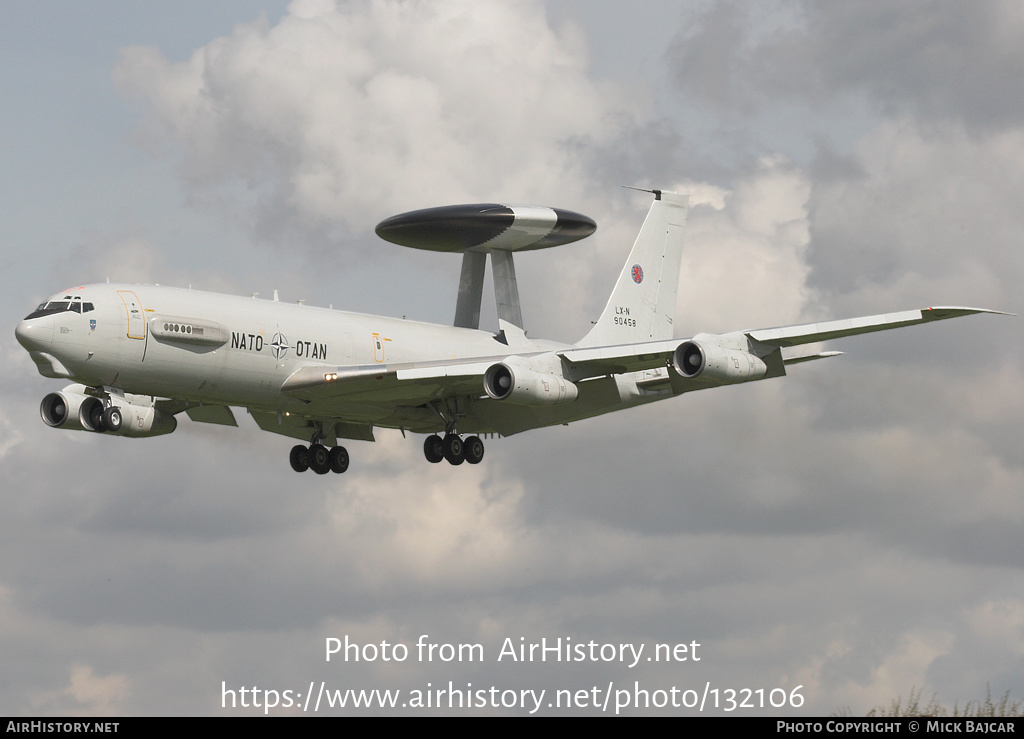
[[136, 319]]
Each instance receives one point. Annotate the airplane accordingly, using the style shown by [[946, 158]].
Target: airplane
[[139, 355]]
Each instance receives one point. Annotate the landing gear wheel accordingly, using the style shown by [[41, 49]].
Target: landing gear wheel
[[96, 418], [338, 459], [473, 450], [433, 449], [453, 449], [112, 419], [299, 458], [319, 459]]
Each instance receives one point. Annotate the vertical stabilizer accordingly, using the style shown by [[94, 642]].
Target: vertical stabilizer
[[643, 302]]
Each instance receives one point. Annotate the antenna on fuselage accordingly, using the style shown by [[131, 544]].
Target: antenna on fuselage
[[275, 296]]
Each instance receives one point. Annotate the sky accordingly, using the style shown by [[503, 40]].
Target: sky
[[850, 532]]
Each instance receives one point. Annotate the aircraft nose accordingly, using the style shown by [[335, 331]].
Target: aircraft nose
[[36, 334]]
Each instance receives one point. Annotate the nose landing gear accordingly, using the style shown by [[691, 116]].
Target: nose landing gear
[[112, 419], [101, 415]]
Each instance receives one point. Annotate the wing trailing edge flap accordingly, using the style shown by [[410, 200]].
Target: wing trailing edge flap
[[298, 427], [219, 414], [809, 357], [595, 361], [198, 412]]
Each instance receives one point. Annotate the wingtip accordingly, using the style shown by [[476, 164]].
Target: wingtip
[[964, 310]]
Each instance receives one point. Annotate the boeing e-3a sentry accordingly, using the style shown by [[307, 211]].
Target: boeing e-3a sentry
[[138, 355]]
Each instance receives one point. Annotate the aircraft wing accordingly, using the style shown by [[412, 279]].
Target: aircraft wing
[[420, 382], [605, 360], [810, 333]]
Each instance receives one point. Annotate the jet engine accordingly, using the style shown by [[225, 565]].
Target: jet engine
[[513, 382], [713, 363], [61, 410], [72, 408]]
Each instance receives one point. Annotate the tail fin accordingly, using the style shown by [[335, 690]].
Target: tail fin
[[643, 302]]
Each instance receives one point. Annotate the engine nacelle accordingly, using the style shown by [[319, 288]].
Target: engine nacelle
[[61, 410], [90, 415], [513, 382], [72, 408], [142, 420], [713, 363]]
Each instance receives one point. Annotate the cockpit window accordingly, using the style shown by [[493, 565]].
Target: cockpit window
[[57, 306]]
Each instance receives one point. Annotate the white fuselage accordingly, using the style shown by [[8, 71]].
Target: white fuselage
[[134, 338]]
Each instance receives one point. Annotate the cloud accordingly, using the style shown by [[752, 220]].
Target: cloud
[[930, 214], [339, 114], [98, 696], [938, 60], [743, 265]]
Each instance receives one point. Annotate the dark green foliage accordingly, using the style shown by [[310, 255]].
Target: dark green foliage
[[913, 706]]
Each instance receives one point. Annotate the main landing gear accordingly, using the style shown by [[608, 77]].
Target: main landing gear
[[319, 459], [453, 448]]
